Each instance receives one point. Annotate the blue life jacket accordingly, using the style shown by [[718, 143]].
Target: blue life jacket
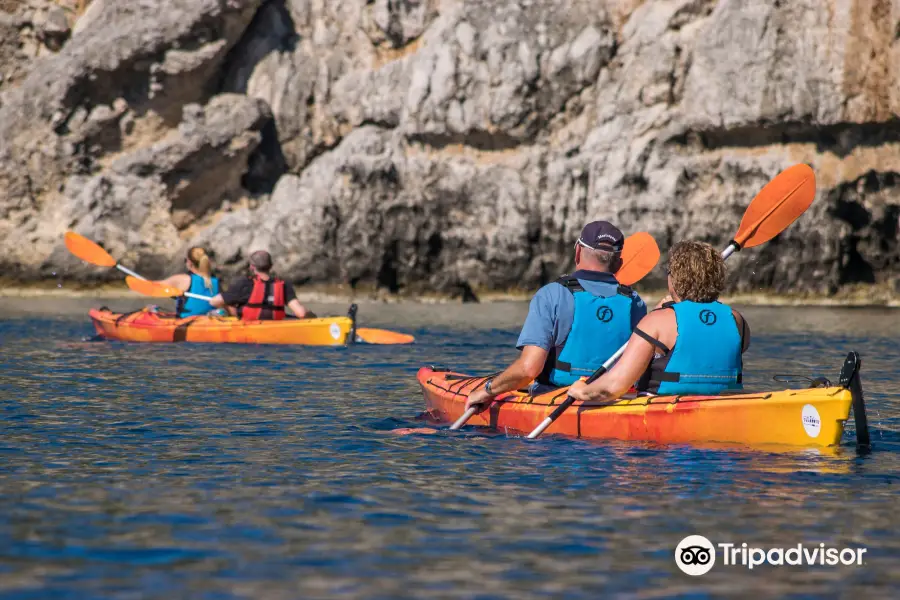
[[601, 325], [706, 359], [189, 307]]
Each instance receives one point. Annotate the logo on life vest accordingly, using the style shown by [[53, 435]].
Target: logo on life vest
[[605, 314], [707, 317]]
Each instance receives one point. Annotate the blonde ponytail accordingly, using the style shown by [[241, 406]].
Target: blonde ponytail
[[199, 258]]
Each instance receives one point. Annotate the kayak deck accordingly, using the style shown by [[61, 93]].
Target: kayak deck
[[146, 326], [804, 417]]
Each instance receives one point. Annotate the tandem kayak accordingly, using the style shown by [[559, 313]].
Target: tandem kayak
[[147, 326], [803, 417]]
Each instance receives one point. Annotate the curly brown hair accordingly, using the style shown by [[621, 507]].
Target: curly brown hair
[[697, 271]]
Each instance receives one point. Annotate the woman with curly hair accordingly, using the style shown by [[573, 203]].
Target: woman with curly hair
[[690, 345]]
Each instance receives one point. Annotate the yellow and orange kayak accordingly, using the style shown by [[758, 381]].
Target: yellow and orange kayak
[[802, 417], [147, 326]]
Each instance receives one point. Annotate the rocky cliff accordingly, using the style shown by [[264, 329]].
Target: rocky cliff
[[442, 145]]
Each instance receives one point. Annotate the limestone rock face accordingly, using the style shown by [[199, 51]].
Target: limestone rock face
[[443, 145], [128, 106]]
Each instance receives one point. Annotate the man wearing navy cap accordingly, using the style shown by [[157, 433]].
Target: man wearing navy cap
[[575, 323]]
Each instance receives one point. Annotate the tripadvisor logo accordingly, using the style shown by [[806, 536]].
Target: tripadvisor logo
[[696, 555]]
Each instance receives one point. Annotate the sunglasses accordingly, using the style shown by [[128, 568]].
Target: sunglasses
[[579, 242]]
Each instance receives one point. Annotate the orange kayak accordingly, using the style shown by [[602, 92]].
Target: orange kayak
[[804, 417], [146, 326]]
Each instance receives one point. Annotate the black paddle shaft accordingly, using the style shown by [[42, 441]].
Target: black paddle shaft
[[351, 336], [569, 400]]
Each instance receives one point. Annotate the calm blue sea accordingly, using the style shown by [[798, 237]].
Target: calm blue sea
[[214, 471]]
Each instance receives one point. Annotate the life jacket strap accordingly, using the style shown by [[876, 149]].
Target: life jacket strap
[[652, 340], [673, 377], [570, 283], [661, 376], [563, 366], [573, 285]]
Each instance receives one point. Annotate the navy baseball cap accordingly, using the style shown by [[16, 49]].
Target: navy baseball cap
[[602, 235]]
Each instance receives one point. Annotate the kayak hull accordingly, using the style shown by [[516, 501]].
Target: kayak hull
[[146, 326], [801, 417]]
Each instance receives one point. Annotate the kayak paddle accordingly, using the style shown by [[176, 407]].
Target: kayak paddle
[[383, 336], [639, 256], [90, 252], [154, 289], [772, 211], [158, 290], [775, 207]]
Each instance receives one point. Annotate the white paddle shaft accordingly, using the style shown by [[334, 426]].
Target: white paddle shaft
[[198, 296], [462, 420], [128, 271], [549, 420]]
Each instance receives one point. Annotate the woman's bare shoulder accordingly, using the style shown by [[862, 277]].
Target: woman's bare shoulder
[[181, 280], [656, 319]]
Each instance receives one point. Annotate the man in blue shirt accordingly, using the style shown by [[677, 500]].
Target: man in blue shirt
[[575, 323]]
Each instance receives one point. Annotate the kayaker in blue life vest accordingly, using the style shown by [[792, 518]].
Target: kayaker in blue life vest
[[262, 296], [575, 323], [197, 280], [690, 344]]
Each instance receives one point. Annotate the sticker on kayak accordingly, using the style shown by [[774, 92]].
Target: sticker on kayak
[[335, 331], [812, 423]]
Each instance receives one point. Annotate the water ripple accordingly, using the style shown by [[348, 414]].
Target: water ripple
[[219, 471]]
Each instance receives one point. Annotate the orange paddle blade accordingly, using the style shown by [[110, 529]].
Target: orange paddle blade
[[152, 288], [409, 430], [777, 205], [383, 336], [88, 251], [639, 257]]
